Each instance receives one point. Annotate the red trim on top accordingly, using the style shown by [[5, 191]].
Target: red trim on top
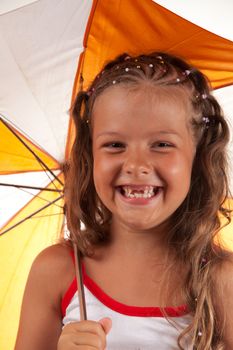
[[68, 296], [117, 306], [70, 291], [131, 310]]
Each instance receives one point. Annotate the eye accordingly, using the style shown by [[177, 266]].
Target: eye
[[115, 145], [162, 144]]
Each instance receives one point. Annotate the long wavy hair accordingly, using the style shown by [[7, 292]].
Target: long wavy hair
[[196, 222]]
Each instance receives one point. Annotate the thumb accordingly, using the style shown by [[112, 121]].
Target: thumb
[[106, 323]]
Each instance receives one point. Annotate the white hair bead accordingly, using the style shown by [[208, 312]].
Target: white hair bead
[[187, 72]]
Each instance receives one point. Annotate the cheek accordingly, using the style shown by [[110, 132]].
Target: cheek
[[102, 172], [177, 170]]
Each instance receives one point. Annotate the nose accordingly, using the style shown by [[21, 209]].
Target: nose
[[137, 164]]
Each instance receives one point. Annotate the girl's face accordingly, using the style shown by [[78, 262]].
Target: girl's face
[[143, 152]]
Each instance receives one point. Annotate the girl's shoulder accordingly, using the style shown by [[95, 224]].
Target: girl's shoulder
[[223, 271], [51, 273], [222, 274], [54, 265], [59, 253]]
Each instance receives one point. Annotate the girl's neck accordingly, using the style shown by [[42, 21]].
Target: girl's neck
[[137, 245]]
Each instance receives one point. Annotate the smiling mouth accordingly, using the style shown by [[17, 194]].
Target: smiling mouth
[[145, 192]]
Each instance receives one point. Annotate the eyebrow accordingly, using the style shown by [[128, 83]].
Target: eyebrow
[[160, 132], [168, 132], [109, 133]]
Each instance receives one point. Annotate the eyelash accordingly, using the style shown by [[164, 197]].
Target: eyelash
[[110, 144], [165, 144], [118, 144]]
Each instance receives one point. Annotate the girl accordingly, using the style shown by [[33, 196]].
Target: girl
[[147, 178]]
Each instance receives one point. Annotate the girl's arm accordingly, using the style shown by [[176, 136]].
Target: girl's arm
[[40, 321], [224, 301]]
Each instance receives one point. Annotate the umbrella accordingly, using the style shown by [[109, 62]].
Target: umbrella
[[41, 65]]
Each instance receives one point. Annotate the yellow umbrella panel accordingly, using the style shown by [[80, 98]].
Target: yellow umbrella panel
[[37, 225], [19, 154], [18, 249]]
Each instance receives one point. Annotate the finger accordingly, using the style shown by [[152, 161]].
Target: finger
[[90, 339], [106, 324], [72, 340], [84, 326], [81, 347]]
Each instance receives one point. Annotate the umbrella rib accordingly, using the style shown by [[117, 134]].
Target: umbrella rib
[[31, 215], [31, 187], [184, 40], [30, 150], [44, 216], [38, 196]]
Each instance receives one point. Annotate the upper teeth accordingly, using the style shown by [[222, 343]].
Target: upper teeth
[[147, 192]]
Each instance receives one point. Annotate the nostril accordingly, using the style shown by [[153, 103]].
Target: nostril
[[128, 169]]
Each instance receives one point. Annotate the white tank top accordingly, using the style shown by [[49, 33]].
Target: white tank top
[[133, 327]]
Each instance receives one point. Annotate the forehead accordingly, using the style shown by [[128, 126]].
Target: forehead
[[142, 105]]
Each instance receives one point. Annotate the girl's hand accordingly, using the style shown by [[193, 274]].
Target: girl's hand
[[85, 335]]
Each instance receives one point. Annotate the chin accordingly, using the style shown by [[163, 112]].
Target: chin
[[140, 226]]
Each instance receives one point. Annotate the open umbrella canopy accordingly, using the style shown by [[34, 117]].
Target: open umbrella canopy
[[41, 64]]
